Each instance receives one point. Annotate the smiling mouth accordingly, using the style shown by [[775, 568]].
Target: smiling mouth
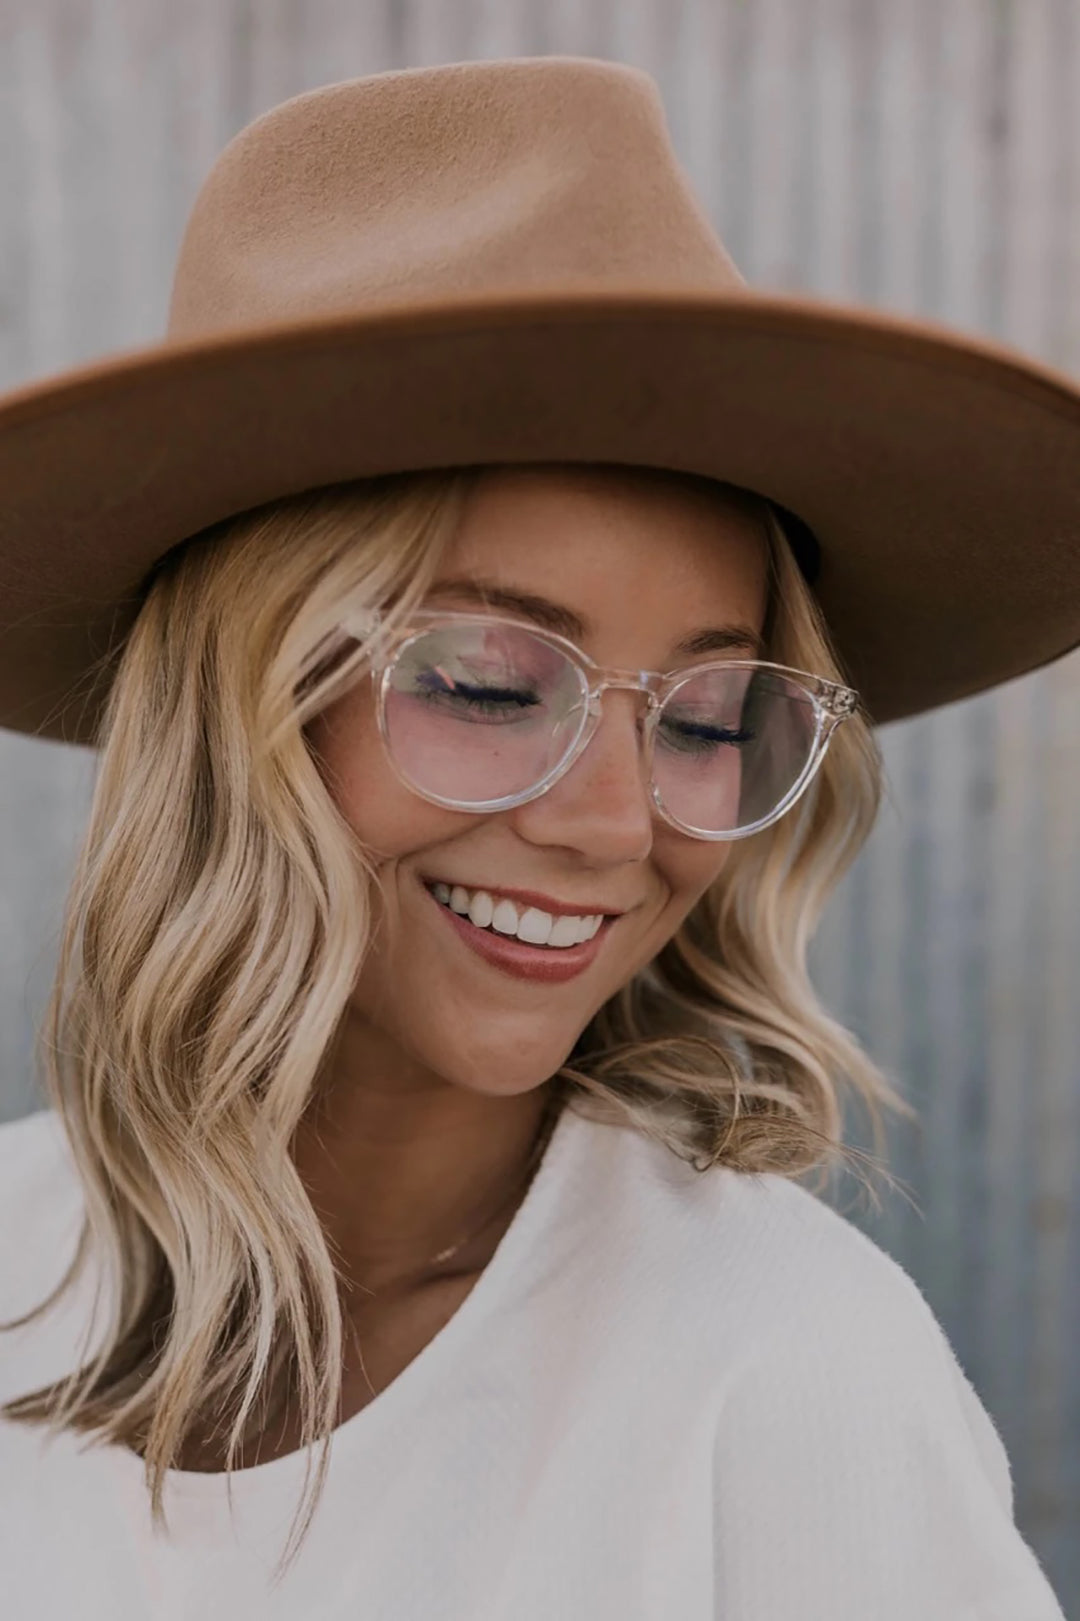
[[505, 953], [567, 928]]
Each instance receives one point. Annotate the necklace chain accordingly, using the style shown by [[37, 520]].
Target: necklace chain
[[547, 1126]]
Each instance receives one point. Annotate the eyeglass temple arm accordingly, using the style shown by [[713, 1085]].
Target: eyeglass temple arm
[[361, 622]]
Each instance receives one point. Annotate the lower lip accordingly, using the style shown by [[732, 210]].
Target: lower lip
[[549, 964]]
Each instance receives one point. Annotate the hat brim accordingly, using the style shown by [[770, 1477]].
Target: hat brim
[[940, 473]]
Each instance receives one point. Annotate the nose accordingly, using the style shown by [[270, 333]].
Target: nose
[[603, 805]]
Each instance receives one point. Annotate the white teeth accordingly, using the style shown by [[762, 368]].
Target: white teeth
[[531, 925], [504, 918], [566, 931], [481, 909], [535, 927]]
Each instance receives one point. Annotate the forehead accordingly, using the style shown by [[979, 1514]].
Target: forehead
[[588, 525], [589, 552]]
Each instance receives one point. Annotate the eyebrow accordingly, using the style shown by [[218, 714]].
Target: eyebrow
[[565, 622]]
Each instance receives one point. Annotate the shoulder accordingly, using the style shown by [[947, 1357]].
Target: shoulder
[[41, 1207], [41, 1216], [828, 1282], [816, 1251], [712, 1238], [765, 1266], [840, 1427], [843, 1336], [37, 1174], [784, 1251], [29, 1145]]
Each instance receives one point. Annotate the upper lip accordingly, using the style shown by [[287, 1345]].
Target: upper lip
[[532, 897]]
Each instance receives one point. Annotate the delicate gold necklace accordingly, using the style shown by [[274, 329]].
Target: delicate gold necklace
[[547, 1126]]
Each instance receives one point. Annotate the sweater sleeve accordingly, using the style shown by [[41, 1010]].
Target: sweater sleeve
[[857, 1474]]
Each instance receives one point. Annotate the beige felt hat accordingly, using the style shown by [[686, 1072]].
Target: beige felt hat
[[503, 261]]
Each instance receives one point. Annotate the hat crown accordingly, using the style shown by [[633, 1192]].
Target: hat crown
[[467, 180]]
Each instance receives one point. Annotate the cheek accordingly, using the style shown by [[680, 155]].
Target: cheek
[[689, 867], [685, 869], [349, 755]]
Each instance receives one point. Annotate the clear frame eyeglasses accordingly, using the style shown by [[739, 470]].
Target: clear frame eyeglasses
[[480, 713]]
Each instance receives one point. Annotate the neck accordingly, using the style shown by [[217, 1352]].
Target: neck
[[399, 1177]]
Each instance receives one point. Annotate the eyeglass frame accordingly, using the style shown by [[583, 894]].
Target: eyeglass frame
[[832, 702]]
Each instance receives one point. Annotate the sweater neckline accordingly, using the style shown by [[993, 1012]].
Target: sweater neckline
[[413, 1380]]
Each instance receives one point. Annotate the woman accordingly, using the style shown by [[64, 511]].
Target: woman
[[475, 761]]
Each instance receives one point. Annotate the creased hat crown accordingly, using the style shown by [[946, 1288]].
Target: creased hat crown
[[470, 180], [503, 263]]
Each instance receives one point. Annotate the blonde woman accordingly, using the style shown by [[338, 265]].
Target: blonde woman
[[481, 604]]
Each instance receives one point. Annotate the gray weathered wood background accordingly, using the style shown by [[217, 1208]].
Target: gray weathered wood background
[[922, 157]]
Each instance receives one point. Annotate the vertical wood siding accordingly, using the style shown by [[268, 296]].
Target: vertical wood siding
[[923, 158]]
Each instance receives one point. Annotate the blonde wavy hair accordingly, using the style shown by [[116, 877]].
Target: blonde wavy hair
[[218, 919]]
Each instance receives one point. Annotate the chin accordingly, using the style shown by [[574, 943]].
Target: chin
[[495, 1069], [508, 1079]]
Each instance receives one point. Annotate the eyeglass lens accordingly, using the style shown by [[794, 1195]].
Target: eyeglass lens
[[475, 713]]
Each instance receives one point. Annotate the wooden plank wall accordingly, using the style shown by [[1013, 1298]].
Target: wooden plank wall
[[923, 158]]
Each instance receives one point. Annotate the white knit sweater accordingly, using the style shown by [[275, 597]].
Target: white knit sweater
[[671, 1396]]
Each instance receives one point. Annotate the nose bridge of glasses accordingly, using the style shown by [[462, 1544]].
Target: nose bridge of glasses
[[637, 682], [646, 681]]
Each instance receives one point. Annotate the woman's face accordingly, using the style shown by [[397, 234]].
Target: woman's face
[[643, 564]]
